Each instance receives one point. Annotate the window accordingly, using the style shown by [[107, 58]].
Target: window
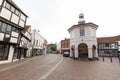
[[12, 9], [3, 29], [8, 30], [15, 56], [4, 52], [106, 44], [82, 31], [36, 42], [7, 5], [16, 12], [15, 29], [0, 25]]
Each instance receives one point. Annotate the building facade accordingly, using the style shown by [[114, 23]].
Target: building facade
[[108, 46], [39, 43], [25, 46], [12, 22], [65, 45], [83, 41]]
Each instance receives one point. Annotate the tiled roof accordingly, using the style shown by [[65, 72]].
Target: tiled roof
[[108, 39]]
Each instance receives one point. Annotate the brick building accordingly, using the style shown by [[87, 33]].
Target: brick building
[[65, 45]]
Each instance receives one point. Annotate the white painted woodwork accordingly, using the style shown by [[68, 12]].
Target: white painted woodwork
[[14, 34], [1, 2], [1, 36], [7, 36], [13, 40]]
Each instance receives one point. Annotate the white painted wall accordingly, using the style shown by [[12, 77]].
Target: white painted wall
[[23, 17], [13, 40], [15, 19], [21, 23], [5, 13], [1, 2], [14, 34], [1, 36]]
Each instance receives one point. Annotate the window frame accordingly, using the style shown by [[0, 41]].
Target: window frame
[[82, 31], [7, 5]]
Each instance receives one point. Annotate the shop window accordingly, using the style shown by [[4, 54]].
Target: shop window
[[4, 52]]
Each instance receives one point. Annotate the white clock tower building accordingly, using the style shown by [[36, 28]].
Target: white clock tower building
[[83, 41]]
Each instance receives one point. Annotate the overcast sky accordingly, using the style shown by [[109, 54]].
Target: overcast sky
[[54, 17]]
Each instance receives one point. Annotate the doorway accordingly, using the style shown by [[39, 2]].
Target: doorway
[[83, 50]]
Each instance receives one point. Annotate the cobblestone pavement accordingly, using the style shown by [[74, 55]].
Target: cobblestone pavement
[[55, 67]]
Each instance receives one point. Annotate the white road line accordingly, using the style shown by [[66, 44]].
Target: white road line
[[49, 72]]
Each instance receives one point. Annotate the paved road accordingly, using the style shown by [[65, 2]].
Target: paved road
[[33, 69], [87, 70], [55, 67]]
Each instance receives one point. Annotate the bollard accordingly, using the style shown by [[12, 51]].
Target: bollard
[[119, 57], [110, 55], [111, 59], [103, 58]]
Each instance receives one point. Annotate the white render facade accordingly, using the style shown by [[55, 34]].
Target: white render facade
[[38, 43], [83, 41]]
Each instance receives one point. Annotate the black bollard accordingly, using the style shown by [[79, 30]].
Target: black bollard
[[110, 58], [119, 57], [103, 58]]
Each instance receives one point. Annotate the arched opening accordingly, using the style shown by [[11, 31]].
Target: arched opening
[[94, 50], [83, 50]]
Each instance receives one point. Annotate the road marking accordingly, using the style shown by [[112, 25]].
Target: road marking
[[49, 72], [16, 65]]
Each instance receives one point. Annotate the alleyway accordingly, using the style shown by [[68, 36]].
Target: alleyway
[[55, 67]]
